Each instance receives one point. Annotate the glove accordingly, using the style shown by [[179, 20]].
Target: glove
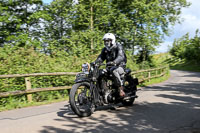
[[95, 63], [110, 63]]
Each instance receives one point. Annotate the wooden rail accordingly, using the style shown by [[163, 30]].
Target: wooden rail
[[29, 90], [38, 74], [163, 71]]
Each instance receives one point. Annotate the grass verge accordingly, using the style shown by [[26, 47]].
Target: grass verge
[[23, 105], [155, 80], [185, 65]]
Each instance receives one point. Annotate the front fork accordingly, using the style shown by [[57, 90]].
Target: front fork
[[94, 93]]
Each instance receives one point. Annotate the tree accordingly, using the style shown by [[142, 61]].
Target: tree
[[79, 26], [17, 21], [144, 22], [57, 24], [180, 46], [91, 21], [187, 48]]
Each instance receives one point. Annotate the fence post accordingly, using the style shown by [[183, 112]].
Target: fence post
[[149, 76], [165, 70], [28, 87]]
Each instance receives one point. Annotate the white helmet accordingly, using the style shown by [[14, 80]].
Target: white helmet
[[109, 41]]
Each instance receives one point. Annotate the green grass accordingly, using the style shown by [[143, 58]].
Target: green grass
[[187, 66], [161, 58], [30, 104], [176, 63], [155, 80], [26, 104], [23, 105], [184, 65]]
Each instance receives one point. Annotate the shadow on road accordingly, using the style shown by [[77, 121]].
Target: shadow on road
[[181, 114]]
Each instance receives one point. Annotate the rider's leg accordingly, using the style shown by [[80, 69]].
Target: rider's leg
[[118, 72]]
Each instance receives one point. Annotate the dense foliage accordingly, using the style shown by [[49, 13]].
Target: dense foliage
[[187, 48], [37, 37], [78, 27]]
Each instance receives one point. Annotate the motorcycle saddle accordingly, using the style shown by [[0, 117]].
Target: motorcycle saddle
[[127, 71]]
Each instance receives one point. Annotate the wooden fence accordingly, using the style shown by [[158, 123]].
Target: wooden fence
[[142, 75]]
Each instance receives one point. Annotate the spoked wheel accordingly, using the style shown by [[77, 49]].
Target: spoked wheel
[[128, 102], [81, 99], [130, 87]]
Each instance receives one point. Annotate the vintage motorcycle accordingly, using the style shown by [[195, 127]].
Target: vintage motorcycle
[[95, 87]]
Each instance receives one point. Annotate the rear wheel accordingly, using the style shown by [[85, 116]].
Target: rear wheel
[[130, 87], [81, 99], [128, 102]]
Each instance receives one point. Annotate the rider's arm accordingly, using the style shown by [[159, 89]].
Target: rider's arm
[[120, 56], [101, 57]]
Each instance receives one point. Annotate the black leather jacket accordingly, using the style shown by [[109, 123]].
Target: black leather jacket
[[116, 55]]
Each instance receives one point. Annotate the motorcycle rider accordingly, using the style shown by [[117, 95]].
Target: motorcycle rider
[[115, 57]]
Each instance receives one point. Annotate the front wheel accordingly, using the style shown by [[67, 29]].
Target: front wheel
[[81, 99]]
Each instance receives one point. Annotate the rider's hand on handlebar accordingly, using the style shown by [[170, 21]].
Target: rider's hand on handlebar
[[110, 63], [95, 63]]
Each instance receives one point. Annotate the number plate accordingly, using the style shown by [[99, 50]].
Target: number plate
[[81, 77]]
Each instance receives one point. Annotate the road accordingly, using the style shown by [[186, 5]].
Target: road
[[169, 107]]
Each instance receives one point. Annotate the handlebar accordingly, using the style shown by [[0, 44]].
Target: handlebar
[[97, 64], [101, 64]]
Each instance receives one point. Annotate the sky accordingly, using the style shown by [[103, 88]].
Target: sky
[[47, 1], [191, 22]]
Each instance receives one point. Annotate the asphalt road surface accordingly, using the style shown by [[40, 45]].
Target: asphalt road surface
[[169, 107]]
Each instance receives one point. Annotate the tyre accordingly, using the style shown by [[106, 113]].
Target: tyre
[[130, 87], [128, 102], [81, 99]]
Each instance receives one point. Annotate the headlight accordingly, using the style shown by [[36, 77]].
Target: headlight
[[86, 68]]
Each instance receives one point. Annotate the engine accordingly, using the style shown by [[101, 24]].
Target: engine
[[109, 97]]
